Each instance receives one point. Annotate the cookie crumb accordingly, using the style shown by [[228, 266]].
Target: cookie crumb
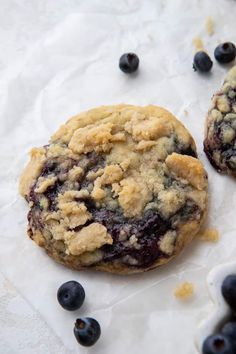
[[210, 235], [198, 43], [210, 26], [186, 112], [184, 290]]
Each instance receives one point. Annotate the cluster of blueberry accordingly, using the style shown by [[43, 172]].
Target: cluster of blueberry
[[224, 53], [71, 296], [224, 342]]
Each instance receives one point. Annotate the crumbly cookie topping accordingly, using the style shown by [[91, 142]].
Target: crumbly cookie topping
[[220, 137]]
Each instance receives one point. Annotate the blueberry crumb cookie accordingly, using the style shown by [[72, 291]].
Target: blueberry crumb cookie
[[118, 188], [220, 134]]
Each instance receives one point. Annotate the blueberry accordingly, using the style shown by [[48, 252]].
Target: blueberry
[[71, 295], [225, 52], [87, 331], [229, 330], [129, 63], [229, 290], [202, 62], [217, 344]]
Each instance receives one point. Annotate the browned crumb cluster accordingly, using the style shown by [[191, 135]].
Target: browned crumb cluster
[[210, 26], [184, 291], [198, 44], [210, 235]]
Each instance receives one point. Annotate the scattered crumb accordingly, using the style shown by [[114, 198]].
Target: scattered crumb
[[186, 112], [198, 43], [210, 235], [184, 290], [210, 26]]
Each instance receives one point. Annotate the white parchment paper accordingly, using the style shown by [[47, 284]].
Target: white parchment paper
[[73, 66]]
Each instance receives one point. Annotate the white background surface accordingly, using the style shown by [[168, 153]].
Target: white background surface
[[56, 59]]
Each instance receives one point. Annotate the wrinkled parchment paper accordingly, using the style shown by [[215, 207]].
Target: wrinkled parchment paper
[[73, 66]]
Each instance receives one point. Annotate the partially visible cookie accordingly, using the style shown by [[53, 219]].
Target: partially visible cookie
[[118, 188], [220, 134]]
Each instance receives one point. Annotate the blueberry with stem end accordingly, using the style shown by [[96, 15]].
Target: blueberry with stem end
[[129, 63], [225, 52], [71, 295], [228, 290], [87, 331], [202, 62], [217, 344]]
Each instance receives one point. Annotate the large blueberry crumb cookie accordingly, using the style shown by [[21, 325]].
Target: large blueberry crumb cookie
[[119, 189], [220, 135]]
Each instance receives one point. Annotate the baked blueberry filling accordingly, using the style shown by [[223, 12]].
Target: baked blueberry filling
[[183, 149], [49, 167], [230, 158], [147, 231], [187, 151], [136, 240], [209, 153]]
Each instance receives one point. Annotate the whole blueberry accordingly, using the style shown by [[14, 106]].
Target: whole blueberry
[[129, 63], [225, 52], [71, 295], [87, 331], [228, 289], [202, 62], [217, 344], [229, 330]]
